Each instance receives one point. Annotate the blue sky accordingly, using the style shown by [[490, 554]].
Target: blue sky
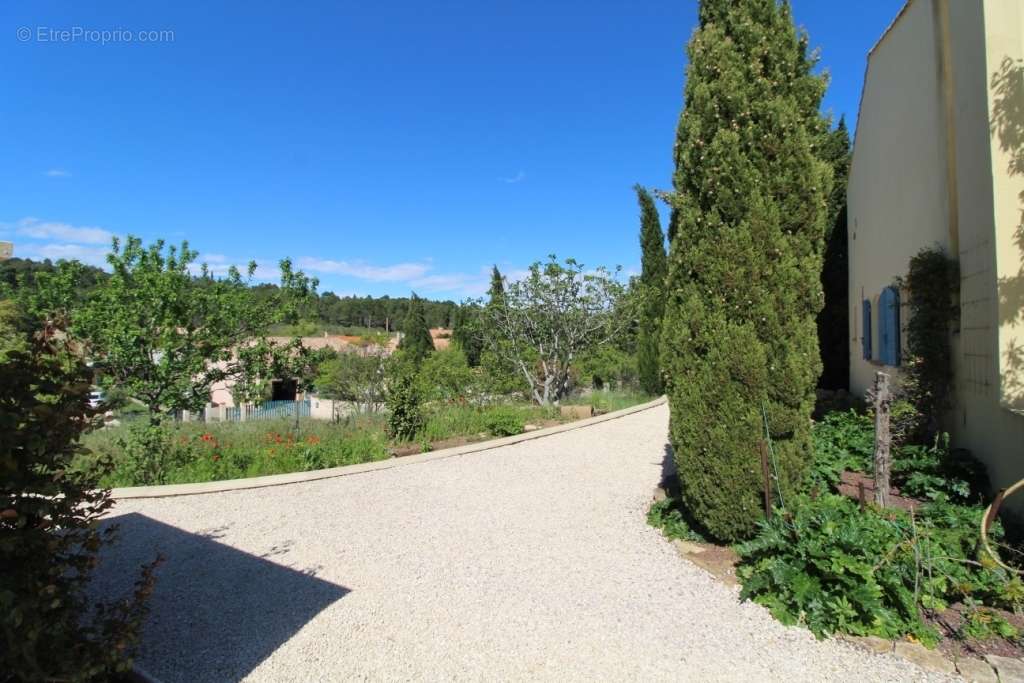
[[383, 146]]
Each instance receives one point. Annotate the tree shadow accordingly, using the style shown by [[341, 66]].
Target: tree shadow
[[1007, 126], [216, 612]]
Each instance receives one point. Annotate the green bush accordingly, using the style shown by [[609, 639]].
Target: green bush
[[405, 417], [504, 423], [669, 516], [446, 376], [148, 453], [834, 568], [50, 532]]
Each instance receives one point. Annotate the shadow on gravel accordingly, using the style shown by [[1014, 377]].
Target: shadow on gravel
[[217, 612], [669, 482]]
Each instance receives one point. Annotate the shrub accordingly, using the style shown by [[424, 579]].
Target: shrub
[[504, 423], [743, 290], [446, 376], [49, 529], [669, 516], [831, 567], [405, 417], [148, 453]]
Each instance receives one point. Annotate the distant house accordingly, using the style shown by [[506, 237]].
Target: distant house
[[939, 160], [284, 389], [6, 250], [442, 338]]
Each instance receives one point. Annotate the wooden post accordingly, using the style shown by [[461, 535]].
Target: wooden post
[[766, 476], [881, 398]]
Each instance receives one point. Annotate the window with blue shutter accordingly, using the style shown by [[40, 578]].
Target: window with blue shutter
[[889, 326], [865, 340]]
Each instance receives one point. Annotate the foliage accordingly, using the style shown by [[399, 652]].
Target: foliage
[[467, 333], [502, 422], [353, 377], [446, 376], [933, 281], [740, 345], [405, 415], [236, 450], [416, 342], [165, 336], [49, 528], [607, 367], [982, 623], [831, 567], [544, 322], [845, 441], [148, 453], [833, 320], [654, 268], [669, 516]]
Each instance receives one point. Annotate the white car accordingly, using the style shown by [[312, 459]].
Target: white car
[[96, 398]]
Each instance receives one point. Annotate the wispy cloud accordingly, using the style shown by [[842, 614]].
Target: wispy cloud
[[44, 230], [517, 178], [399, 272], [58, 173]]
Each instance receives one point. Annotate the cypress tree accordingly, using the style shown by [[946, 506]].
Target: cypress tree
[[416, 342], [654, 266], [739, 342], [834, 319], [496, 292]]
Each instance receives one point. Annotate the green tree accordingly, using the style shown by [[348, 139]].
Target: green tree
[[654, 268], [467, 333], [416, 340], [50, 532], [403, 399], [834, 319], [739, 344], [353, 377], [544, 322], [165, 336], [496, 291]]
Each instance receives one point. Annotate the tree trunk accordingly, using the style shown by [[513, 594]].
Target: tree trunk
[[882, 399]]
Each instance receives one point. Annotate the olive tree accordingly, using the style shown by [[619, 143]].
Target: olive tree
[[542, 323]]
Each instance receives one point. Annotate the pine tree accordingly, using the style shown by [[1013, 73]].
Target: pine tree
[[834, 319], [654, 267], [416, 341], [739, 342]]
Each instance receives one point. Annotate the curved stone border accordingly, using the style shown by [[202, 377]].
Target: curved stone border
[[298, 477]]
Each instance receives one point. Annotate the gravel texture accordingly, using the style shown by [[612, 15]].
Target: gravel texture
[[530, 561]]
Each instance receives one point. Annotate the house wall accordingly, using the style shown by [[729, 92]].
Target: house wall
[[897, 193], [932, 166]]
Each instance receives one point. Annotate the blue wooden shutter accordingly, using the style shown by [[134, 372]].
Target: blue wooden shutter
[[865, 340], [889, 326]]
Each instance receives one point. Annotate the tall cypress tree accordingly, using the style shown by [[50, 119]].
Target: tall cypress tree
[[496, 292], [654, 267], [740, 347], [834, 319], [416, 342]]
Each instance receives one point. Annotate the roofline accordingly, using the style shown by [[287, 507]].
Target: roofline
[[867, 68]]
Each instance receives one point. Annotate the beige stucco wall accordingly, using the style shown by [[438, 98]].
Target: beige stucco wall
[[897, 190], [928, 107]]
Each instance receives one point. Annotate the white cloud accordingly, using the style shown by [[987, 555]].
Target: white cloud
[[55, 251], [517, 178], [58, 173], [399, 272], [65, 232]]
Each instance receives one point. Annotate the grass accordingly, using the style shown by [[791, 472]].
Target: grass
[[194, 452], [611, 400]]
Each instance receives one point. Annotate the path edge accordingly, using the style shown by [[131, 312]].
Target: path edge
[[169, 490]]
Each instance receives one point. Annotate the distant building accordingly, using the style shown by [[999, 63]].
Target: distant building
[[6, 250]]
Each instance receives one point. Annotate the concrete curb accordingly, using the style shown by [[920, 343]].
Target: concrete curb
[[168, 490]]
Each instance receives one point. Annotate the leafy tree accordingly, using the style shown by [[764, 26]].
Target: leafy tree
[[654, 268], [739, 346], [496, 291], [165, 336], [542, 323], [353, 377], [416, 342], [834, 319], [49, 527], [446, 376]]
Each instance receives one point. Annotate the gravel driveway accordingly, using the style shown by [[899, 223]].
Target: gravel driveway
[[530, 561]]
